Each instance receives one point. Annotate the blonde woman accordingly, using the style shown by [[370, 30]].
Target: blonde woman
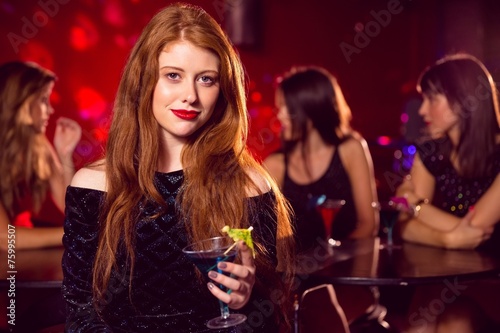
[[35, 174]]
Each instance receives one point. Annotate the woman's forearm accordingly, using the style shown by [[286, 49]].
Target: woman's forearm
[[417, 232], [436, 218], [68, 169], [33, 238]]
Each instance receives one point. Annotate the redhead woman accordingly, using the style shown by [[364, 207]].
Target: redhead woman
[[176, 170]]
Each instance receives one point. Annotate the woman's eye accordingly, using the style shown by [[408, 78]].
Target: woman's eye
[[207, 79], [430, 98], [173, 76]]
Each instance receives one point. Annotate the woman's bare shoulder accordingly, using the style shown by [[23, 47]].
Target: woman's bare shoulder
[[275, 165], [92, 177], [356, 145], [275, 160], [354, 151], [259, 180]]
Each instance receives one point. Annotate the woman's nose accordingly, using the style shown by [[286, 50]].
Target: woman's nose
[[422, 111], [282, 114], [190, 94]]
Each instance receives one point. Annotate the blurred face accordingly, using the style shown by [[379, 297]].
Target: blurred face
[[41, 109], [283, 115], [187, 90], [438, 115]]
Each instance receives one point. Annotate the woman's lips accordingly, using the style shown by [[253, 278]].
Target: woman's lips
[[186, 114]]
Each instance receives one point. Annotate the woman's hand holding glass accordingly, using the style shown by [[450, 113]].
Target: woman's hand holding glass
[[214, 258], [240, 281]]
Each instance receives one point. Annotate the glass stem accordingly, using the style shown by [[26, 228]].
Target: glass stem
[[224, 310], [389, 236]]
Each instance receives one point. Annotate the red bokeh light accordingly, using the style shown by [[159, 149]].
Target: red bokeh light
[[256, 97], [37, 52], [91, 104], [384, 140], [83, 35]]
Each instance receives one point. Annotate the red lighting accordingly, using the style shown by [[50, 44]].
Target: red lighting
[[55, 98], [101, 134], [83, 35], [266, 112], [113, 13], [256, 97], [90, 103], [36, 52], [384, 140]]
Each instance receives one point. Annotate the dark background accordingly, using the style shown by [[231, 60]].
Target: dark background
[[388, 43]]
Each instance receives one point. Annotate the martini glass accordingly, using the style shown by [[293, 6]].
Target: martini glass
[[389, 213], [206, 254], [328, 209]]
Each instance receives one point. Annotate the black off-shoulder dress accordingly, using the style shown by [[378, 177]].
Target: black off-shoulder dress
[[166, 293]]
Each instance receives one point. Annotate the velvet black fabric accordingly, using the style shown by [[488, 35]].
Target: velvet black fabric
[[166, 293]]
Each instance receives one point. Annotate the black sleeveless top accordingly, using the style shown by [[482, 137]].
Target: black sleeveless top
[[334, 184], [167, 295], [456, 194]]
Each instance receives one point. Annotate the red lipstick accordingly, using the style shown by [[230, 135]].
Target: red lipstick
[[186, 114]]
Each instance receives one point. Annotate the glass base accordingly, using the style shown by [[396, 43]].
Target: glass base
[[233, 320], [333, 242], [390, 246]]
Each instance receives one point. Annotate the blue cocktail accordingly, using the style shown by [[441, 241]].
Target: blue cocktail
[[206, 255], [389, 214]]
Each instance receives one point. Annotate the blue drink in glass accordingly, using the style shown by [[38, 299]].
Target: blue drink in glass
[[206, 255]]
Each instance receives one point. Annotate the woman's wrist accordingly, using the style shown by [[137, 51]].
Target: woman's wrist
[[417, 206]]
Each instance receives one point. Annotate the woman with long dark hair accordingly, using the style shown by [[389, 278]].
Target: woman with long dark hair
[[456, 170], [454, 186], [322, 157]]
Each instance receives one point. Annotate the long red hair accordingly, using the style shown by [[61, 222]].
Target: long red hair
[[215, 159]]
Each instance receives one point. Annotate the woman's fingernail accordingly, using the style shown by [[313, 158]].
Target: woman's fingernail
[[210, 285], [471, 208], [212, 275], [222, 265]]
